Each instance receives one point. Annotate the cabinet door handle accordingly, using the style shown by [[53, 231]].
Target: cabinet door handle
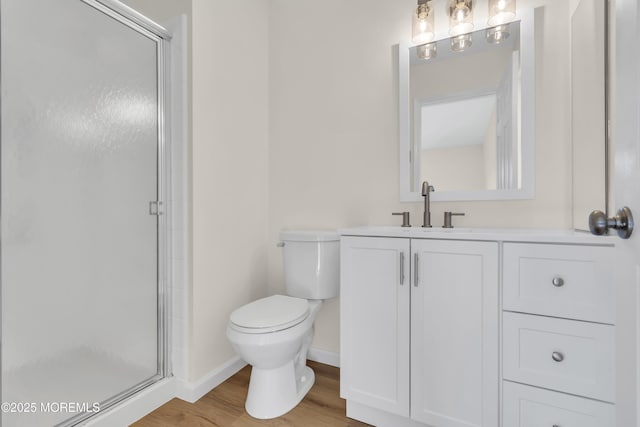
[[402, 268], [557, 356], [415, 270], [557, 281]]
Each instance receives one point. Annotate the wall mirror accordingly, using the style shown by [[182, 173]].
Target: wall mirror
[[467, 118]]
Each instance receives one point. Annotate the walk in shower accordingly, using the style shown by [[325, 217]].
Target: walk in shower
[[83, 242]]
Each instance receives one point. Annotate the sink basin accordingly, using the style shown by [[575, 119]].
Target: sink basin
[[471, 233], [416, 229], [444, 230]]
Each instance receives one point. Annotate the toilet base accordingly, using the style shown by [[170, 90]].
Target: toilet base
[[274, 392]]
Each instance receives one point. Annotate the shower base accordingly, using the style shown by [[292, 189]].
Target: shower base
[[58, 388]]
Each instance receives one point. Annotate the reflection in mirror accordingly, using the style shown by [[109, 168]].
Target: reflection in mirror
[[457, 120], [442, 142], [468, 128]]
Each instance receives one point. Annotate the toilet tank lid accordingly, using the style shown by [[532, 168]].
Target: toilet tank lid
[[309, 236]]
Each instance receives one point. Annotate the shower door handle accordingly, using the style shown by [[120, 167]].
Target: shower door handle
[[155, 207]]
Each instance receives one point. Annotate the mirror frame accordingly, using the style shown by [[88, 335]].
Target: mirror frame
[[527, 123]]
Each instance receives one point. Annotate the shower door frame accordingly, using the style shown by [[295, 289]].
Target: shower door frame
[[147, 28]]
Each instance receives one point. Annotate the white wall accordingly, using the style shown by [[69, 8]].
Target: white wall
[[588, 106], [333, 143], [230, 143]]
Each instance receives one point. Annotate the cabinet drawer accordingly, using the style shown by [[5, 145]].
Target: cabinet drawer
[[570, 281], [564, 355], [525, 406]]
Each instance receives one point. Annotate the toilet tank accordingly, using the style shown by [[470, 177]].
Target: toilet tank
[[311, 263]]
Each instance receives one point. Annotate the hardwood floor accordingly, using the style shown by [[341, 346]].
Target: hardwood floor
[[224, 406]]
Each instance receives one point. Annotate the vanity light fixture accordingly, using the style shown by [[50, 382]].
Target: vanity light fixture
[[423, 23], [501, 13], [427, 51], [460, 17]]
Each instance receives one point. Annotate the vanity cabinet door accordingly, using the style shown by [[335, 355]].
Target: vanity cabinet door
[[454, 333], [374, 315]]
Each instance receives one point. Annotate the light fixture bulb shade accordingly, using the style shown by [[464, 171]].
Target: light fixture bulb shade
[[423, 28], [498, 34], [460, 17], [501, 12], [461, 43], [427, 51]]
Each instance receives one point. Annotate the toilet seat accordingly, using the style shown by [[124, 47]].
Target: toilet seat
[[270, 314]]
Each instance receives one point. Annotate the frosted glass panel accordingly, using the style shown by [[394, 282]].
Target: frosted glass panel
[[79, 154]]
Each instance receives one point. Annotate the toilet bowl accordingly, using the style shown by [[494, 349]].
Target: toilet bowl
[[277, 352], [273, 334]]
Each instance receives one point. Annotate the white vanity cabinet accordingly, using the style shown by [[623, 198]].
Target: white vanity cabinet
[[419, 331], [477, 328]]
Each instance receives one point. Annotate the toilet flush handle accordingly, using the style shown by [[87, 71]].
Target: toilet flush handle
[[280, 244]]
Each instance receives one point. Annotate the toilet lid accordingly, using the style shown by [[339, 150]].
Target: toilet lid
[[269, 314]]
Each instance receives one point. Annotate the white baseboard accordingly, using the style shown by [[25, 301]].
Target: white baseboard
[[192, 391], [160, 393], [137, 406], [327, 357]]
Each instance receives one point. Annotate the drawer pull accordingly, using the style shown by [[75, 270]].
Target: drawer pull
[[557, 356], [558, 281]]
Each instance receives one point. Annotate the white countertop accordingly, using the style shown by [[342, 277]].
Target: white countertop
[[532, 235]]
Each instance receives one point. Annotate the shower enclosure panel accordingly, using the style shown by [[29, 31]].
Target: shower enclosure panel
[[80, 250]]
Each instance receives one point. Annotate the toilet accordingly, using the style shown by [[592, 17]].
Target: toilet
[[273, 334]]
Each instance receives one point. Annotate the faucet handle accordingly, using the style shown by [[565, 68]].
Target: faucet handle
[[447, 218], [405, 218]]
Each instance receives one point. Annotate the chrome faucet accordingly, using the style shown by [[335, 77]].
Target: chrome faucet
[[426, 189]]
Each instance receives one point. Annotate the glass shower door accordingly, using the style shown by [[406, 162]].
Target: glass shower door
[[79, 171]]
